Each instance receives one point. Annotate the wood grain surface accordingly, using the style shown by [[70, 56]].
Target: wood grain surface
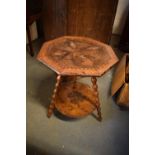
[[82, 56], [75, 101], [90, 18]]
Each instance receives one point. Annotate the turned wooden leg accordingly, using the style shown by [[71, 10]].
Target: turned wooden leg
[[29, 39], [52, 106], [95, 88]]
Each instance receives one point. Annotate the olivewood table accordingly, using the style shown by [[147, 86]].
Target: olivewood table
[[71, 57]]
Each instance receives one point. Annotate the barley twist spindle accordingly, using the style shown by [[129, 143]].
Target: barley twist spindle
[[52, 106], [95, 88]]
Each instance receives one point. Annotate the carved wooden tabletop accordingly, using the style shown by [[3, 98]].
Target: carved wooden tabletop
[[72, 56], [82, 56]]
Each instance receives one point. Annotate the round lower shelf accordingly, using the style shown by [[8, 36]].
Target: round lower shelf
[[75, 102]]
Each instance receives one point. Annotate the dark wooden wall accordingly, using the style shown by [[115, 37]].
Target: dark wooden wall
[[124, 40], [91, 18]]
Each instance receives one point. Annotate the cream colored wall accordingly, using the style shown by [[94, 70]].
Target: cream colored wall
[[121, 14]]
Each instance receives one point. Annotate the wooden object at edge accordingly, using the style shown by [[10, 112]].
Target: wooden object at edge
[[90, 18]]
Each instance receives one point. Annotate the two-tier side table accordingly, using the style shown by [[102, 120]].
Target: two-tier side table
[[73, 57]]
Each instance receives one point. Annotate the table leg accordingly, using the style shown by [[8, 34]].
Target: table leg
[[29, 39], [95, 88], [74, 82], [52, 106]]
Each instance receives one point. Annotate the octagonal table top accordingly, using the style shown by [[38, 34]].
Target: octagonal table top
[[72, 55]]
